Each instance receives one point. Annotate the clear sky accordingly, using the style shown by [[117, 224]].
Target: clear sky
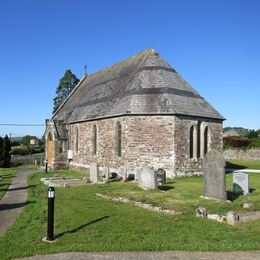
[[213, 44]]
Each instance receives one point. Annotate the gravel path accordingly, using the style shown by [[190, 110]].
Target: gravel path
[[152, 255], [14, 199]]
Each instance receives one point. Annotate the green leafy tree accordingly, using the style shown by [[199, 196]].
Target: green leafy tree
[[1, 149], [67, 84], [6, 152], [26, 140], [252, 134]]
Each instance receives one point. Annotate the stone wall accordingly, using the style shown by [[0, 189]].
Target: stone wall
[[59, 148], [155, 141], [238, 154], [184, 165]]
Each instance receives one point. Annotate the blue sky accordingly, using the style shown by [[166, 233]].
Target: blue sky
[[214, 45]]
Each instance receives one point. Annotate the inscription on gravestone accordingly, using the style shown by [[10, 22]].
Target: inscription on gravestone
[[240, 183], [214, 175]]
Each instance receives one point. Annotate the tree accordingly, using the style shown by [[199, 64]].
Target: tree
[[252, 134], [1, 149], [6, 152], [26, 140], [67, 84]]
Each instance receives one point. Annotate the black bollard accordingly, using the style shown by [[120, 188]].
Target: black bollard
[[50, 233], [46, 166]]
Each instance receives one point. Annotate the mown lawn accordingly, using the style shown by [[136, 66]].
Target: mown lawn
[[84, 222], [7, 175], [238, 164]]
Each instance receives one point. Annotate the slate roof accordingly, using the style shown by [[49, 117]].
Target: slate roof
[[143, 84]]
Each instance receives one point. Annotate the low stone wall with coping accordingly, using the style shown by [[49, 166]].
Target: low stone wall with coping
[[240, 154]]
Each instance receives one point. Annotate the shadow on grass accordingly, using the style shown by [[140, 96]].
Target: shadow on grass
[[80, 227], [231, 195], [165, 187], [230, 165], [14, 205], [20, 188]]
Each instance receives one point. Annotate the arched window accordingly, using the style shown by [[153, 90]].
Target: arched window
[[191, 141], [94, 139], [77, 140], [198, 140], [118, 139], [205, 140]]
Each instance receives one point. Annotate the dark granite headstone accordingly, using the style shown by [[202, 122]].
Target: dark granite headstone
[[214, 175], [161, 176]]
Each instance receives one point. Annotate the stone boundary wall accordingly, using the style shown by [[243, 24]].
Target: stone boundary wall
[[28, 159], [239, 154]]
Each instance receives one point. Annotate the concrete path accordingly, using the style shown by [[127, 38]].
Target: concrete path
[[14, 200], [242, 170], [151, 255]]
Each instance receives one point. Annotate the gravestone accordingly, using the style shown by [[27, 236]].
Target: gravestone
[[137, 173], [122, 173], [147, 179], [214, 175], [94, 172], [106, 174], [161, 176], [240, 183]]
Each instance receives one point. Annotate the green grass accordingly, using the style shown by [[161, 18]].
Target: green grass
[[243, 164], [84, 222], [7, 176]]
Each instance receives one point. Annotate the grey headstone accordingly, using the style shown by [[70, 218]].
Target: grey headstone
[[161, 176], [240, 183], [94, 172], [122, 172], [106, 174], [214, 175], [148, 179], [137, 173]]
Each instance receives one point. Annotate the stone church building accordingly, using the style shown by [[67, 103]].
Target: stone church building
[[139, 112]]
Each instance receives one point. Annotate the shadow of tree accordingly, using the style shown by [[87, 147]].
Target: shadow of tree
[[80, 227], [165, 187], [20, 188], [14, 205]]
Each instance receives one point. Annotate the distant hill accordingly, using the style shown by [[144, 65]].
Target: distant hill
[[239, 130], [17, 139]]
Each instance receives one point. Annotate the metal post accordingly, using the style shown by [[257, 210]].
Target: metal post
[[50, 233], [46, 166]]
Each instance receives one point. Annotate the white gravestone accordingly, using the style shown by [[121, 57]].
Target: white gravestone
[[240, 183], [94, 172], [147, 179], [137, 173], [106, 174]]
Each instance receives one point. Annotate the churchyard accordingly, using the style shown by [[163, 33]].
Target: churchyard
[[87, 222]]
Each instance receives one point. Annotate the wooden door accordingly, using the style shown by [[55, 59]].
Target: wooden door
[[50, 149]]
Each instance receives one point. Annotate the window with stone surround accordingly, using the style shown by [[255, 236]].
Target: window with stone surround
[[198, 139], [118, 139], [94, 139], [205, 140], [191, 141], [76, 140]]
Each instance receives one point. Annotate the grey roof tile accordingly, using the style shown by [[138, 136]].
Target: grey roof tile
[[143, 84]]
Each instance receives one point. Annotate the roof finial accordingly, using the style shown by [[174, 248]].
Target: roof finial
[[85, 68]]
